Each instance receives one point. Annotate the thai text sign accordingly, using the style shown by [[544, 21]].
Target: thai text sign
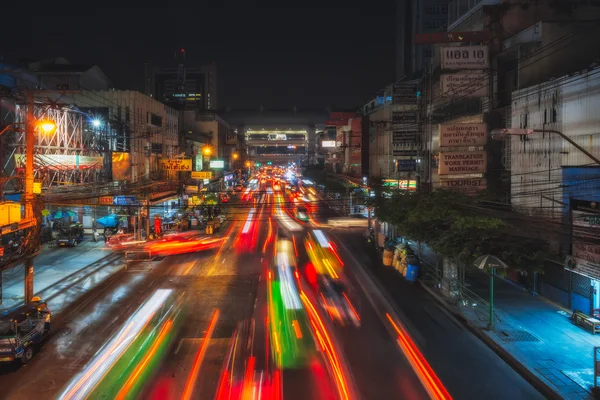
[[201, 175], [180, 164], [404, 137], [404, 117], [455, 135], [473, 84], [467, 162], [404, 94], [465, 57]]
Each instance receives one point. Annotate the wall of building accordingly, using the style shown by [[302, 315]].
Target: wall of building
[[570, 105]]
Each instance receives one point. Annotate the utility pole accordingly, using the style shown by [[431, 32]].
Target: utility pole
[[29, 197]]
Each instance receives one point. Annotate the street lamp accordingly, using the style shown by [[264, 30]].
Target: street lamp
[[206, 150], [502, 133], [46, 126], [96, 123], [236, 156]]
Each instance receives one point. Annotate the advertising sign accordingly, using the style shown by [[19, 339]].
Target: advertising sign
[[201, 175], [231, 138], [217, 164], [451, 37], [406, 165], [470, 84], [328, 143], [124, 200], [464, 185], [465, 57], [106, 200], [121, 166], [404, 153], [459, 162], [61, 161], [403, 137], [192, 188], [280, 136], [176, 164], [455, 135], [404, 117], [404, 94]]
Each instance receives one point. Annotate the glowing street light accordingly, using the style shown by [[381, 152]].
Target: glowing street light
[[46, 126], [236, 156], [206, 150], [248, 164], [96, 123]]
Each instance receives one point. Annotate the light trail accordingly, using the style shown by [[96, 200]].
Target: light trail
[[94, 372], [427, 376], [351, 306], [141, 366], [191, 381]]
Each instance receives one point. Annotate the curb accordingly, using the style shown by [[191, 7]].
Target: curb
[[517, 365]]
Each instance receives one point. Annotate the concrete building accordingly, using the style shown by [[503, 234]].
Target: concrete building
[[204, 128], [59, 73], [416, 16], [183, 85], [136, 130]]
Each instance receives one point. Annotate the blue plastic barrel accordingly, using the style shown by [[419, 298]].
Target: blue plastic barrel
[[412, 271]]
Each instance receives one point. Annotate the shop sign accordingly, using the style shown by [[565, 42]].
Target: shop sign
[[106, 200], [176, 164], [465, 185], [465, 57], [404, 153], [201, 175], [404, 117], [124, 200], [470, 84], [402, 137], [217, 164], [467, 162], [192, 188], [456, 135], [404, 94], [406, 165]]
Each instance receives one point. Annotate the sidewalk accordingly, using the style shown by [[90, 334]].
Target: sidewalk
[[61, 275], [531, 333]]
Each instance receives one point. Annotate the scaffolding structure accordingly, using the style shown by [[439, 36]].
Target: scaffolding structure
[[59, 156]]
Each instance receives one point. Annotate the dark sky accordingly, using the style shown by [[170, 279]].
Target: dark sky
[[278, 57]]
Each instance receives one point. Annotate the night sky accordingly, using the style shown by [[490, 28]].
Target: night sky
[[278, 57]]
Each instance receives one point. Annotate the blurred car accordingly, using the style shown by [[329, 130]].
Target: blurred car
[[239, 188], [225, 198], [301, 213], [334, 299], [351, 221]]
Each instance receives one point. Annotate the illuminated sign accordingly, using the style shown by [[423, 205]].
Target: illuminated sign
[[179, 164], [217, 164], [328, 143], [62, 161], [400, 184], [201, 175]]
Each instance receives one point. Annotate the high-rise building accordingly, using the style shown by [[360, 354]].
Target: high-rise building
[[183, 86], [416, 16]]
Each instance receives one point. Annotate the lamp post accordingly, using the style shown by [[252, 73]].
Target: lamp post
[[501, 133]]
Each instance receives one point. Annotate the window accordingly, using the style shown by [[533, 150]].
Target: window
[[430, 10]]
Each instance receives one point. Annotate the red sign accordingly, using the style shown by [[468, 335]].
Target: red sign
[[340, 122], [450, 37]]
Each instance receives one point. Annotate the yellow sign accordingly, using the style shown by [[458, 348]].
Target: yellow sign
[[37, 187], [180, 164], [45, 213], [194, 201], [201, 175]]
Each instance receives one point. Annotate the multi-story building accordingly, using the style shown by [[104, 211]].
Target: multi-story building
[[137, 130], [183, 86], [416, 16], [59, 73]]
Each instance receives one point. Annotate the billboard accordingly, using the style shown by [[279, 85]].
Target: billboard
[[465, 57], [463, 162], [455, 135], [217, 164], [470, 84], [328, 143], [121, 166], [404, 94], [176, 164], [61, 161]]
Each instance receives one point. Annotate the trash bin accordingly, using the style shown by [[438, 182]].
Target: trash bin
[[412, 272]]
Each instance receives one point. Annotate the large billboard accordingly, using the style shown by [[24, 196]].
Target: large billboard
[[457, 135], [176, 164], [61, 161], [121, 166], [465, 57], [463, 162], [469, 84]]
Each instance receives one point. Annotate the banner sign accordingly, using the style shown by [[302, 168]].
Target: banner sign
[[404, 94], [201, 175], [465, 57], [403, 137], [467, 162], [404, 117], [456, 135], [473, 84], [61, 161], [176, 164]]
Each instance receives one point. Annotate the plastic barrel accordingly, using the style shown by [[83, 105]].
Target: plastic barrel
[[412, 271], [388, 256]]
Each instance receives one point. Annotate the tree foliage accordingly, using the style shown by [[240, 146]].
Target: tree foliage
[[445, 220]]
